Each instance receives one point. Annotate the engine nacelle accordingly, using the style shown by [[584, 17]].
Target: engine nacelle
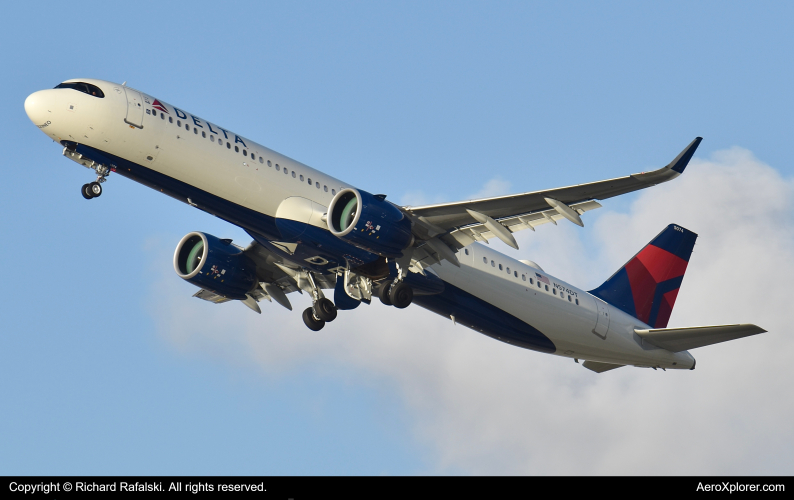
[[215, 265], [369, 222]]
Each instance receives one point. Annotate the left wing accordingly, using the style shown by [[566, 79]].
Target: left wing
[[461, 223]]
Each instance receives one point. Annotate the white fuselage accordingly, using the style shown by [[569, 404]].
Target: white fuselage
[[194, 151]]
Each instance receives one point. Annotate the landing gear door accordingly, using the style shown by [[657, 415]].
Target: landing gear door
[[134, 108], [602, 319]]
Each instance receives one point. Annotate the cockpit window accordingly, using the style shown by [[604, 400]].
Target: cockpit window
[[85, 88]]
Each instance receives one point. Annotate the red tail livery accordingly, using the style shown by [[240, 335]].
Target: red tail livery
[[647, 286]]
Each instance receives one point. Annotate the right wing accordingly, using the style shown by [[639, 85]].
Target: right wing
[[461, 223]]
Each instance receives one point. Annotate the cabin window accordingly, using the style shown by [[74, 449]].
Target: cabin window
[[162, 116], [554, 291], [286, 171], [212, 138], [268, 163], [508, 270], [493, 264], [531, 281], [179, 123], [540, 285], [515, 273], [318, 185], [577, 302], [523, 277], [500, 267], [569, 298], [261, 160], [236, 149], [293, 174], [547, 288], [333, 192], [466, 251], [195, 130], [309, 181], [203, 134], [485, 260], [277, 167], [187, 127], [245, 153], [148, 111], [170, 119]]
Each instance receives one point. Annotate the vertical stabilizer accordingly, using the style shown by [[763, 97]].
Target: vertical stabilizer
[[647, 286]]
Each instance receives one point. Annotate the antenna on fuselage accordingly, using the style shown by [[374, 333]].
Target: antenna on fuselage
[[124, 84]]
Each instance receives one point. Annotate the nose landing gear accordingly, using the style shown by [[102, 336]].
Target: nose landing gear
[[94, 189], [91, 190]]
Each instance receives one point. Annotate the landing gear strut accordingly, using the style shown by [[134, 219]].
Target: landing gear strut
[[94, 189], [397, 292]]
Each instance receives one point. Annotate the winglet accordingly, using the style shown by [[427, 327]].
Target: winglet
[[682, 160]]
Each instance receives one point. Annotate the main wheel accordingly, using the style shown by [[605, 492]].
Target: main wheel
[[401, 295], [312, 322], [86, 193], [95, 189], [383, 292], [325, 310]]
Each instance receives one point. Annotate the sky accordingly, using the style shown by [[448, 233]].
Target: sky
[[109, 366]]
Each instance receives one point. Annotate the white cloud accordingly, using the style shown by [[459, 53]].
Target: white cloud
[[494, 187], [484, 407]]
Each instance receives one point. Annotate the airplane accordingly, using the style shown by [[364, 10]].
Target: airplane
[[312, 232]]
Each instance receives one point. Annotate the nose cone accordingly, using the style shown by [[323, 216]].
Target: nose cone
[[38, 106]]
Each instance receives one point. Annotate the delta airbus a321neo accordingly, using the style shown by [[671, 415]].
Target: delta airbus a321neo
[[312, 232]]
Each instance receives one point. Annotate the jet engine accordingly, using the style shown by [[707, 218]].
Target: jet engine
[[369, 222], [215, 265]]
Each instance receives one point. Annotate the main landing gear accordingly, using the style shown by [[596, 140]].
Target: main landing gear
[[322, 310], [396, 293], [94, 189]]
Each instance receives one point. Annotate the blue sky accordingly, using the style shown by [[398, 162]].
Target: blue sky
[[107, 366]]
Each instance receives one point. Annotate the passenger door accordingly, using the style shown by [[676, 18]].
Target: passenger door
[[134, 108], [602, 318]]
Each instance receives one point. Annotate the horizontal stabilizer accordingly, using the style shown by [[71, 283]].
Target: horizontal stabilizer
[[599, 367], [682, 339]]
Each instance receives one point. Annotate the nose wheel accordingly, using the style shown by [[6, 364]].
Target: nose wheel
[[94, 189], [91, 190]]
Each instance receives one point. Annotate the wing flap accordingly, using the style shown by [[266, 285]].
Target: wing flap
[[683, 339], [466, 235]]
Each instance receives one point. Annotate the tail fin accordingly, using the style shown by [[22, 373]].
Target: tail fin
[[647, 286]]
